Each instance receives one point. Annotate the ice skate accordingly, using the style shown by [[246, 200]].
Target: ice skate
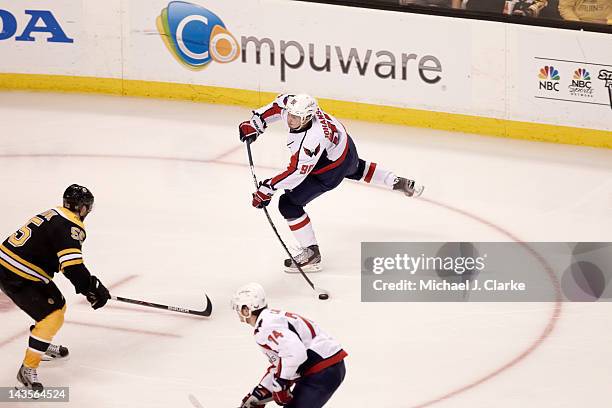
[[56, 353], [28, 377], [408, 187], [309, 260]]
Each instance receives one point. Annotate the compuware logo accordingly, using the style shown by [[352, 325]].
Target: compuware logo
[[195, 36], [549, 78]]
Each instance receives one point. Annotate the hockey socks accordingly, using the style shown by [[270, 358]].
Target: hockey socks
[[41, 336], [303, 231], [372, 173]]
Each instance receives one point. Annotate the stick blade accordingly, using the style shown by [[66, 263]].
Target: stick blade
[[206, 312]]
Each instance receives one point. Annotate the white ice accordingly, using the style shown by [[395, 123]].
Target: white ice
[[173, 220]]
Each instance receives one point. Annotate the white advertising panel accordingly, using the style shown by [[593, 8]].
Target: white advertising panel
[[560, 77], [429, 63], [61, 37], [333, 52]]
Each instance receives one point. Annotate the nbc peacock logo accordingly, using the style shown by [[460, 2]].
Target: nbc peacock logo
[[195, 36], [549, 78], [581, 84], [582, 74]]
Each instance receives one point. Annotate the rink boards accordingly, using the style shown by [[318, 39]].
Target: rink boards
[[429, 71]]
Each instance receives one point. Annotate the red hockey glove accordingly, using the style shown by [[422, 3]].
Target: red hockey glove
[[281, 391], [263, 195], [247, 132], [251, 129], [257, 398], [283, 397]]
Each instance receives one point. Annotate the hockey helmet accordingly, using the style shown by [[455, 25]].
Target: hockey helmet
[[252, 296], [77, 196], [303, 106]]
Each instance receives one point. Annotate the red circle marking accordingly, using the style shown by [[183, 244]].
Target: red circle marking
[[550, 325], [555, 314]]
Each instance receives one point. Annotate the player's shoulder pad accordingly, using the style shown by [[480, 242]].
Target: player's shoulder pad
[[270, 321], [69, 225]]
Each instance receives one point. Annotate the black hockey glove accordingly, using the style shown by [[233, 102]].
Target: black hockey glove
[[97, 294], [257, 398]]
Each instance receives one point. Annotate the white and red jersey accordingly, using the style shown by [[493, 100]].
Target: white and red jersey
[[319, 147], [294, 345]]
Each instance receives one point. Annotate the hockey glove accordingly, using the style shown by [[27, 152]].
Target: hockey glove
[[97, 294], [263, 195], [247, 132], [281, 391], [251, 129], [257, 398]]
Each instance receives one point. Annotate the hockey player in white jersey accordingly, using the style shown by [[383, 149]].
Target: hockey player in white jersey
[[307, 365], [322, 155]]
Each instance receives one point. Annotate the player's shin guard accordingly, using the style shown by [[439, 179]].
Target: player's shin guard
[[303, 231], [370, 172], [41, 336]]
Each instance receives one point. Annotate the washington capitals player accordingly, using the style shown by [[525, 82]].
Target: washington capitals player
[[322, 155], [299, 352]]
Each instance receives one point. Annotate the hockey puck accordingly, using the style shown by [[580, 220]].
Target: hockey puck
[[323, 296]]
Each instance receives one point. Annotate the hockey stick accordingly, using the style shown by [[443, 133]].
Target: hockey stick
[[323, 294], [205, 313]]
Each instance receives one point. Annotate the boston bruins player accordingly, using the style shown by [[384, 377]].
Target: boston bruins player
[[49, 242]]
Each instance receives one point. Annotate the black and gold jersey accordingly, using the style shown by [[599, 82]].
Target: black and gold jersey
[[49, 242]]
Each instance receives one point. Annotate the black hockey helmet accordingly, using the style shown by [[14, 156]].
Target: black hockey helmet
[[77, 196]]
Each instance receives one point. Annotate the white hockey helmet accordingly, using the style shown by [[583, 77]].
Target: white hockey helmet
[[252, 296], [303, 106]]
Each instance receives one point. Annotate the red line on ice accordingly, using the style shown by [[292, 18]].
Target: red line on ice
[[552, 321]]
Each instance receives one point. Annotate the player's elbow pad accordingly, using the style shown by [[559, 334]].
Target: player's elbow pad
[[79, 276]]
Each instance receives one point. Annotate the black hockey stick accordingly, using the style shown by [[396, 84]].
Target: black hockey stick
[[323, 294], [205, 313]]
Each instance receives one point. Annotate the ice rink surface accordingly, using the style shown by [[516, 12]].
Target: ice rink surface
[[173, 220]]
